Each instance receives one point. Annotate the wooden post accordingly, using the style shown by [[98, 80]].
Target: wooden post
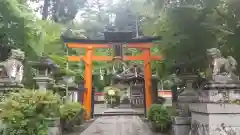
[[87, 103], [147, 78]]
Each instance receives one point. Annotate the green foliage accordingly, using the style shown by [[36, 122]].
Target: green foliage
[[70, 109], [159, 116], [65, 72], [100, 84], [50, 40], [74, 69], [72, 113], [188, 28], [115, 98], [61, 61], [24, 112], [18, 26], [237, 101]]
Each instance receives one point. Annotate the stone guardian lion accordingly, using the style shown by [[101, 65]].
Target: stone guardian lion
[[223, 68]]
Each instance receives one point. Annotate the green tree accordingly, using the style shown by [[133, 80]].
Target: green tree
[[188, 28]]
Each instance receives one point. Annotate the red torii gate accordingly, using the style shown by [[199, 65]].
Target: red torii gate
[[89, 45]]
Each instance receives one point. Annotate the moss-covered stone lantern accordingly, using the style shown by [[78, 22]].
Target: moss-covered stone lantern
[[45, 68]]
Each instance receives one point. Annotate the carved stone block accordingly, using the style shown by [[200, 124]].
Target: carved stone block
[[220, 95], [215, 119]]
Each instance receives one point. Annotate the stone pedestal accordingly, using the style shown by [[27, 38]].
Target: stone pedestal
[[6, 86], [219, 92], [6, 82], [181, 123], [54, 126], [215, 119], [216, 114], [43, 82]]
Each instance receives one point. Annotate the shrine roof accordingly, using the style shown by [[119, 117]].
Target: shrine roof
[[104, 41]]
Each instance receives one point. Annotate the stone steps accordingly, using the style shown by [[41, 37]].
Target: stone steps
[[119, 114], [120, 111]]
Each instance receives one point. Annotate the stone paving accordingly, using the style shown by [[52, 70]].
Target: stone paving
[[117, 125]]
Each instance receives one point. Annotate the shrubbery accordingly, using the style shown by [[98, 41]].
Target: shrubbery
[[159, 117], [25, 112], [72, 113], [112, 99], [28, 112]]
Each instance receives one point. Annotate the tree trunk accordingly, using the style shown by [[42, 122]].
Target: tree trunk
[[45, 9], [56, 7]]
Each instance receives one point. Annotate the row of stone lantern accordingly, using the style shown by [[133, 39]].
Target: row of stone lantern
[[45, 79]]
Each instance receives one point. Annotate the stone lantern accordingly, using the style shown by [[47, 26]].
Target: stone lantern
[[182, 122], [71, 88], [44, 77]]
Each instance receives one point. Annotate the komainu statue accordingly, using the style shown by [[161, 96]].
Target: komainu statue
[[223, 68], [12, 68]]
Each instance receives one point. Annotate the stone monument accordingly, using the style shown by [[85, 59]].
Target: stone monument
[[11, 71], [216, 112]]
